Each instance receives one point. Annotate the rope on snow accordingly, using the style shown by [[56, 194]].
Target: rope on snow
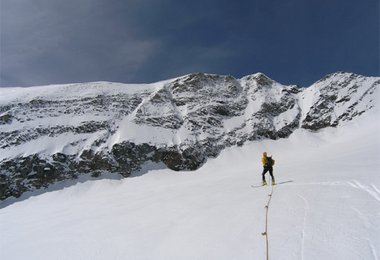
[[265, 233]]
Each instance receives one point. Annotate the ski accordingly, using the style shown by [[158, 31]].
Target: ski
[[279, 183], [258, 186]]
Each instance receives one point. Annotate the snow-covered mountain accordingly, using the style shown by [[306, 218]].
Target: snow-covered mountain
[[326, 206], [52, 133]]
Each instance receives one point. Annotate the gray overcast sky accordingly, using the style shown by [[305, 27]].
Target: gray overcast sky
[[134, 41]]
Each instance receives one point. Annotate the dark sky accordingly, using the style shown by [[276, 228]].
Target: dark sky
[[135, 41]]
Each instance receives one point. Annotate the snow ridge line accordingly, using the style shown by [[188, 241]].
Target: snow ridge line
[[265, 233]]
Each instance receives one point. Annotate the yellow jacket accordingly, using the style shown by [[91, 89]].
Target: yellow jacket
[[264, 161]]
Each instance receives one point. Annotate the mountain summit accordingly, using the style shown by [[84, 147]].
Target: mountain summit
[[53, 133]]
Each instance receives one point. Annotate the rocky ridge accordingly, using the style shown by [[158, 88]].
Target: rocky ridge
[[48, 134]]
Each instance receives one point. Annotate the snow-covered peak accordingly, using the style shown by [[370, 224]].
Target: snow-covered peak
[[260, 79]]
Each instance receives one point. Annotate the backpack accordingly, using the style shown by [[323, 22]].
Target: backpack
[[270, 162]]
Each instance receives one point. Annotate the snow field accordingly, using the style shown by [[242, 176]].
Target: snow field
[[326, 206]]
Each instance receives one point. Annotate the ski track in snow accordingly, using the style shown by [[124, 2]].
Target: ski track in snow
[[361, 216], [372, 190], [303, 233], [373, 250], [375, 188]]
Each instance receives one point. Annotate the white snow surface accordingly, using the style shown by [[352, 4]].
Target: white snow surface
[[326, 206]]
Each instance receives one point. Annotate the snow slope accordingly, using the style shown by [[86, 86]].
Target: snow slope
[[326, 206]]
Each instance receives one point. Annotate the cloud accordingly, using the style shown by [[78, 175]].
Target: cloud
[[50, 42], [54, 41]]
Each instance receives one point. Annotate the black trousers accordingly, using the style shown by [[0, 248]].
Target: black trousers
[[268, 169]]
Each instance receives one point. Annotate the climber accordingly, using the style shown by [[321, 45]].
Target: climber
[[268, 163]]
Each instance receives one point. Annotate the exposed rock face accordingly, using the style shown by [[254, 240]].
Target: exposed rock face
[[48, 134], [344, 97]]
